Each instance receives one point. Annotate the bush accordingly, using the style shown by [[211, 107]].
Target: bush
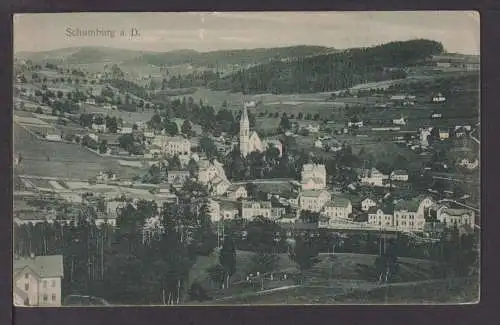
[[197, 292]]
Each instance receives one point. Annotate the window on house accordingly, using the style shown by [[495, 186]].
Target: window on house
[[53, 283], [26, 276], [45, 297], [26, 286], [53, 297]]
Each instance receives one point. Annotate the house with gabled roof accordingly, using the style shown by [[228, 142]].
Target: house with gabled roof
[[382, 216], [37, 280], [340, 207]]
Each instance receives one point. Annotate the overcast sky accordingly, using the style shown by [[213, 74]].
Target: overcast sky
[[458, 31]]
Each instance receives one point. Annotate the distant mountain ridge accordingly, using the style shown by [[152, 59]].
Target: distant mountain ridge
[[88, 55]]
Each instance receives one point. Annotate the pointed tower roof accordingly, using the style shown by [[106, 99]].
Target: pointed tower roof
[[244, 115]]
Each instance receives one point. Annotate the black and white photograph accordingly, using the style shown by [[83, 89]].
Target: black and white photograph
[[246, 158]]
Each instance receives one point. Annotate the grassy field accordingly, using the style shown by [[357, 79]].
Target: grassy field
[[65, 160], [446, 292], [339, 275]]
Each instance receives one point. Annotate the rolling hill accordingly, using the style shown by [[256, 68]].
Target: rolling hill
[[93, 55], [333, 71]]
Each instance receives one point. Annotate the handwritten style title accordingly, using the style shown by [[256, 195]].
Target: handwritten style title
[[98, 32]]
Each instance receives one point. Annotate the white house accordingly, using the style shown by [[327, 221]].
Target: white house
[[436, 115], [373, 177], [455, 217], [444, 135], [368, 203], [399, 121], [172, 146], [409, 215], [339, 208], [53, 137], [90, 101], [37, 280], [250, 209], [469, 164], [439, 98], [318, 144], [313, 200], [399, 175], [382, 217], [99, 127], [235, 192], [313, 177], [358, 124], [125, 130]]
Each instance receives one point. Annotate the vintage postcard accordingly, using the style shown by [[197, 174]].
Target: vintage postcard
[[246, 158]]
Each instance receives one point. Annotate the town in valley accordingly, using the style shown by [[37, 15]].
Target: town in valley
[[297, 174]]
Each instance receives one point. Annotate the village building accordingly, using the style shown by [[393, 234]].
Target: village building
[[177, 177], [399, 121], [250, 209], [469, 164], [313, 200], [339, 208], [439, 98], [235, 192], [53, 137], [409, 215], [367, 203], [313, 177], [37, 280], [399, 175], [443, 135], [125, 129], [382, 217], [99, 127], [460, 218], [172, 146], [374, 177]]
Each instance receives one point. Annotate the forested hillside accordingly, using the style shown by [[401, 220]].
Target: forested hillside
[[230, 57], [331, 71]]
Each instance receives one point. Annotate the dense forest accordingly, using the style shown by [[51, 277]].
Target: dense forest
[[331, 71]]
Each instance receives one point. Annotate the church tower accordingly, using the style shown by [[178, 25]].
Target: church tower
[[244, 133]]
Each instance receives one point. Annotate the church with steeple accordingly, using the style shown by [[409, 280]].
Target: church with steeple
[[250, 141]]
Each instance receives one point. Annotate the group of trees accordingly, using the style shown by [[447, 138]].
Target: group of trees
[[112, 122], [159, 123], [203, 115], [331, 71], [122, 264]]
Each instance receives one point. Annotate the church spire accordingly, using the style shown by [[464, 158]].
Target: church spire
[[244, 115]]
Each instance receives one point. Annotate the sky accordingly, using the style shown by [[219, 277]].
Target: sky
[[458, 31]]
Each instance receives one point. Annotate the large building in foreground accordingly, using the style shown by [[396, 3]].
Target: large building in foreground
[[37, 281]]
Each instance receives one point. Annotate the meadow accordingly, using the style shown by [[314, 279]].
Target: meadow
[[331, 277], [64, 160]]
